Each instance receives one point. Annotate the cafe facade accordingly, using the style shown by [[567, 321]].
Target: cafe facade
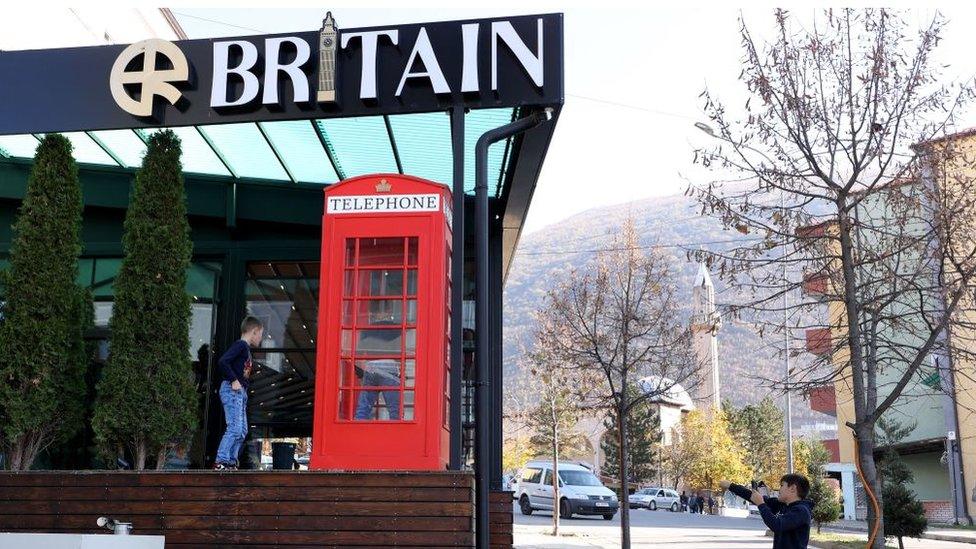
[[359, 190]]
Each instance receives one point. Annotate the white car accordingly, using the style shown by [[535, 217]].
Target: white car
[[655, 498], [580, 492]]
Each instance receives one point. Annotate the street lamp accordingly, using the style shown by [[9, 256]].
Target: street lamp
[[705, 128]]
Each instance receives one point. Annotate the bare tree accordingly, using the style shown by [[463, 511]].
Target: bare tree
[[554, 421], [612, 324], [824, 174]]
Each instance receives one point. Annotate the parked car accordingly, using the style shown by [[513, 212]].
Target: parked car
[[655, 498], [510, 483], [580, 492]]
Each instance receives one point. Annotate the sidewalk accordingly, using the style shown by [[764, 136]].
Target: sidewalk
[[958, 535], [536, 538]]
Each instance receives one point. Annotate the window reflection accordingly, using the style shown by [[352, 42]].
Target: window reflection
[[284, 295]]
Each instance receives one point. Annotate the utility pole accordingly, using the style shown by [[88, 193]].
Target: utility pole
[[786, 335]]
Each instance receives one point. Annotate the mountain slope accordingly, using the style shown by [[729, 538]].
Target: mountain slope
[[672, 225]]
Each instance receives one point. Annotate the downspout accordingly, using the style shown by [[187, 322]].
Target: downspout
[[944, 367], [483, 342]]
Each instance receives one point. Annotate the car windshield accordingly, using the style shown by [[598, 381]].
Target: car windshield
[[579, 478]]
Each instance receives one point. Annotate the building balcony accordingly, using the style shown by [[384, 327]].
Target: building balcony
[[819, 341], [833, 446], [823, 399], [816, 284]]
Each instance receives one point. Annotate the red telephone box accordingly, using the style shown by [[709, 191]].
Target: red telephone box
[[382, 367]]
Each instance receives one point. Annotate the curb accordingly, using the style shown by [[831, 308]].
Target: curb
[[927, 535]]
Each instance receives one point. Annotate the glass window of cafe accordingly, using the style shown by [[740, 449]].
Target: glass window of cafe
[[284, 296]]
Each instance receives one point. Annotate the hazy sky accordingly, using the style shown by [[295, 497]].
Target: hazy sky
[[633, 79]]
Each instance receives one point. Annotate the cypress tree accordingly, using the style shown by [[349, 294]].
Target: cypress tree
[[41, 385], [643, 433], [146, 399], [904, 515]]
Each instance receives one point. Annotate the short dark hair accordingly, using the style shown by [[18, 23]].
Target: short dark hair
[[249, 323], [800, 481]]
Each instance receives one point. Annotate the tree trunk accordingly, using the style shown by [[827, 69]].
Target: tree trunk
[[624, 472], [555, 473], [865, 457], [161, 457], [140, 455], [17, 454]]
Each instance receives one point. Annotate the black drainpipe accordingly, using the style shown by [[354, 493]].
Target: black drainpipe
[[483, 342]]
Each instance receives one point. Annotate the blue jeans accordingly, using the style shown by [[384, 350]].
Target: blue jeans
[[235, 414], [367, 399]]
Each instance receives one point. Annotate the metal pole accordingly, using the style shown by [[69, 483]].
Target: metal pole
[[786, 334], [482, 325], [457, 286], [789, 399], [944, 367]]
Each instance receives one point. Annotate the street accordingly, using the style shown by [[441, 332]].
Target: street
[[662, 529]]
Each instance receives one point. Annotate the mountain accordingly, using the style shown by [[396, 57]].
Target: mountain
[[674, 226]]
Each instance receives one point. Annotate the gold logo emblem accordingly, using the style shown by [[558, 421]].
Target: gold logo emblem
[[151, 82], [383, 186]]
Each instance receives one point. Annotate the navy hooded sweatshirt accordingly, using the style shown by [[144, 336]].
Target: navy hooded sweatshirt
[[790, 524], [235, 364]]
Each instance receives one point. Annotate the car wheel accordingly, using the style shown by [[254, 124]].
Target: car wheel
[[674, 507], [607, 517], [565, 511], [653, 506], [524, 505]]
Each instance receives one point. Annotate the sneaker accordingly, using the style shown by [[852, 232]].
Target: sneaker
[[221, 467]]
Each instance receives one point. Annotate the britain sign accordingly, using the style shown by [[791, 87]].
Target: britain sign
[[485, 63]]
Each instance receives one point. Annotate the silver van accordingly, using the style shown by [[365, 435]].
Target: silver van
[[580, 492]]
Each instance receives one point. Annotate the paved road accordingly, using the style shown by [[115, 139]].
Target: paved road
[[659, 529]]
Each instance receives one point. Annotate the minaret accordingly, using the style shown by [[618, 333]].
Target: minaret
[[705, 323], [327, 60]]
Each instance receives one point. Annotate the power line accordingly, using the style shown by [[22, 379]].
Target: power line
[[647, 247], [608, 234], [634, 107], [220, 22]]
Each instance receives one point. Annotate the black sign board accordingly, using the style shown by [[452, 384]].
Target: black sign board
[[485, 63]]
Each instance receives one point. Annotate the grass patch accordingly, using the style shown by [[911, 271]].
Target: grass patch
[[852, 542]]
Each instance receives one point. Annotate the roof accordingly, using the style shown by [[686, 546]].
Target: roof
[[564, 465], [969, 132], [321, 151], [674, 395]]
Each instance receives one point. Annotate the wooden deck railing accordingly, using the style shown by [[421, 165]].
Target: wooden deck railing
[[257, 509]]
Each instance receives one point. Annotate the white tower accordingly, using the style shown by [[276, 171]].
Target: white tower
[[705, 323]]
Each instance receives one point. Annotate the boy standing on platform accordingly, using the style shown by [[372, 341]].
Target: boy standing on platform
[[235, 369]]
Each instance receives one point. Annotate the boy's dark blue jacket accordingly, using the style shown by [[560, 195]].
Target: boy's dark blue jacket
[[236, 362], [790, 523]]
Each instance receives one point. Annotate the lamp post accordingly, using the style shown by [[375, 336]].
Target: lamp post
[[708, 130]]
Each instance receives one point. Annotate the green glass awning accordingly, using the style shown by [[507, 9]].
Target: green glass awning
[[321, 151]]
